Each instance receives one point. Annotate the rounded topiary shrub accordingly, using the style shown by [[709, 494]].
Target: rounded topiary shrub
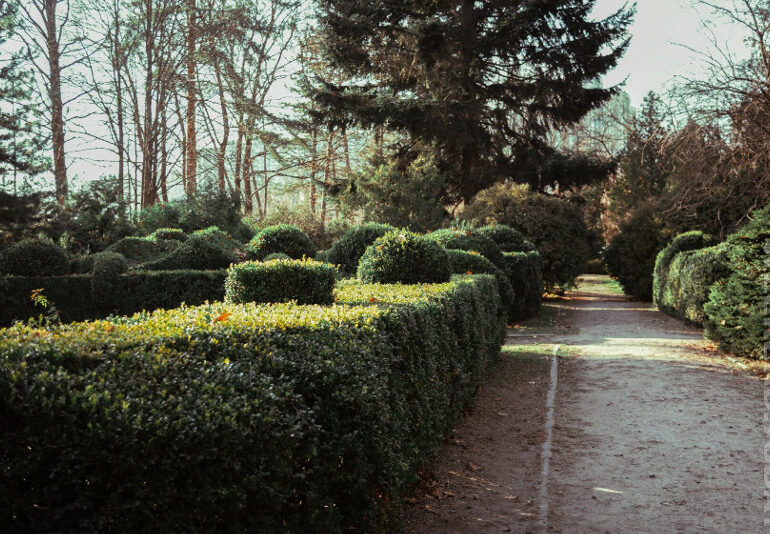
[[108, 267], [220, 238], [469, 240], [174, 234], [197, 253], [404, 257], [142, 249], [85, 264], [507, 238], [735, 312], [464, 262], [284, 238], [33, 257], [304, 281], [694, 240], [348, 249]]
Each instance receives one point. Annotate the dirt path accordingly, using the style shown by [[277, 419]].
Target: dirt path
[[647, 431]]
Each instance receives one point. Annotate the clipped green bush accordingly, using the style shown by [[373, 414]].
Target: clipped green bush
[[240, 418], [736, 310], [304, 281], [197, 253], [524, 270], [168, 234], [688, 282], [556, 226], [222, 239], [348, 249], [694, 240], [33, 257], [107, 270], [85, 264], [141, 249], [469, 240], [464, 262], [507, 238], [404, 257], [630, 256], [284, 238]]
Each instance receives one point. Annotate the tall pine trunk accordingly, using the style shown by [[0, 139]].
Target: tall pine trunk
[[57, 108], [192, 157]]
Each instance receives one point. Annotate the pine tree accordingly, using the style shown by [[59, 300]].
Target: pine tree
[[481, 80], [20, 143]]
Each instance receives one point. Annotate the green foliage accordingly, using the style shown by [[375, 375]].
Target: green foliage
[[630, 256], [168, 234], [737, 306], [554, 225], [71, 294], [301, 217], [464, 262], [469, 240], [197, 253], [33, 257], [279, 256], [85, 264], [404, 257], [207, 207], [524, 270], [688, 282], [694, 240], [141, 250], [402, 195], [596, 266], [240, 418], [107, 270], [304, 281], [221, 239], [507, 238], [281, 238], [348, 249]]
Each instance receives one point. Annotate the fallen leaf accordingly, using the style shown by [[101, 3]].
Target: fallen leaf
[[221, 317], [372, 300], [110, 328]]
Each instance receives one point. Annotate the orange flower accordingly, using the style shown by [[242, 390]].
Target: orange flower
[[468, 272], [222, 317]]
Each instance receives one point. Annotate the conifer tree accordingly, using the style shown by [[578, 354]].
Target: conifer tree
[[481, 80]]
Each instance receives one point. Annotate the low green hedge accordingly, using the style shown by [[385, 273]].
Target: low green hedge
[[470, 240], [661, 294], [525, 272], [73, 297], [285, 238], [464, 262], [688, 281], [736, 313], [303, 281], [143, 249], [240, 418], [197, 253]]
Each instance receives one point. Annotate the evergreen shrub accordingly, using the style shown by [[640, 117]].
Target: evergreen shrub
[[348, 249], [469, 240], [404, 257], [197, 253], [304, 281], [284, 238], [33, 257], [524, 270], [693, 240]]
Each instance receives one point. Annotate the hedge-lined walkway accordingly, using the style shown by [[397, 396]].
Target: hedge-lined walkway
[[652, 431]]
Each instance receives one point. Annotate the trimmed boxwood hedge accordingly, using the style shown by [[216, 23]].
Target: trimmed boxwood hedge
[[240, 418], [143, 249], [404, 257], [348, 249], [197, 253], [688, 281], [737, 306], [464, 262], [467, 239], [304, 281], [33, 257], [168, 234], [525, 272], [507, 238], [284, 238], [694, 240], [131, 293]]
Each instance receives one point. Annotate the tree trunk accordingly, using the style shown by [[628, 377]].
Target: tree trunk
[[221, 174], [192, 157], [57, 111]]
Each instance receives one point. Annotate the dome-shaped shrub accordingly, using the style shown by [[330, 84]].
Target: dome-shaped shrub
[[108, 267], [222, 239], [284, 238], [694, 240], [33, 257], [174, 234], [348, 249], [507, 238], [404, 257], [464, 262], [142, 249], [197, 253], [466, 239], [85, 264]]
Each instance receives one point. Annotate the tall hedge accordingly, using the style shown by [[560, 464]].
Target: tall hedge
[[239, 418], [464, 262], [524, 270], [736, 310], [693, 240]]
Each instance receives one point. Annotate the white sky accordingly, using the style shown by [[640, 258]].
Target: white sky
[[655, 57]]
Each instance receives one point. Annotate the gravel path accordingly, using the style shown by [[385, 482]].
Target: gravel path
[[650, 432]]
